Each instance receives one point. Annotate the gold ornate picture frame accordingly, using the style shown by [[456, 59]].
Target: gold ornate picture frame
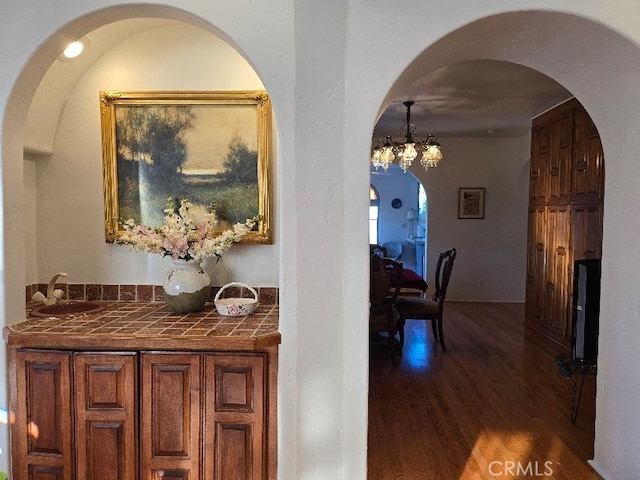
[[203, 146]]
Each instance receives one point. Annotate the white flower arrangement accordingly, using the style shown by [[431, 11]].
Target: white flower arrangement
[[184, 234]]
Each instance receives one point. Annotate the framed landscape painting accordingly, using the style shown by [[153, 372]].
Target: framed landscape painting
[[471, 203], [207, 147]]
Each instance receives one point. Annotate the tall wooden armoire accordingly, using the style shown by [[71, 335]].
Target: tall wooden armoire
[[566, 195]]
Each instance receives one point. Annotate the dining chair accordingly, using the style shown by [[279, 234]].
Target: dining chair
[[385, 285], [412, 308]]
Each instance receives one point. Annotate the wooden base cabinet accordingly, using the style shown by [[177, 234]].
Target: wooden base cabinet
[[41, 433], [105, 411], [234, 417], [140, 415]]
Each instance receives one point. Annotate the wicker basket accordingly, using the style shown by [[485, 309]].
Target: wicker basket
[[236, 307]]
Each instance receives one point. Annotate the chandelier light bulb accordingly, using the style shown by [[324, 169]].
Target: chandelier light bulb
[[409, 152], [404, 164], [387, 157], [375, 158], [431, 156]]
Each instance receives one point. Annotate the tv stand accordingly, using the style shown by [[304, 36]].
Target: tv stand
[[576, 370]]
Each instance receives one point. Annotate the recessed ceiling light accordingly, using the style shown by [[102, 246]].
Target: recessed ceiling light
[[74, 49]]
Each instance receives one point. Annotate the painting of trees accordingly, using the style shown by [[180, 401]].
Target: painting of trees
[[202, 146]]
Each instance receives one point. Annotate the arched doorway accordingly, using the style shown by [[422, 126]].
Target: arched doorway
[[576, 81]]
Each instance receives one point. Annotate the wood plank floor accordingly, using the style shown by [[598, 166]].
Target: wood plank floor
[[492, 406]]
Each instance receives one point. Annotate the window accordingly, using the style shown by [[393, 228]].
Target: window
[[374, 207]]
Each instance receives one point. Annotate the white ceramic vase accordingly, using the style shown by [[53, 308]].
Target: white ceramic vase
[[187, 287]]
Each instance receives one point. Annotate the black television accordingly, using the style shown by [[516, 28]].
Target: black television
[[586, 309]]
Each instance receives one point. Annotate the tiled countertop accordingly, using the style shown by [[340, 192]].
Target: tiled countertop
[[140, 325]]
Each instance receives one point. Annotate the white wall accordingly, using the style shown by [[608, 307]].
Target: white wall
[[68, 196], [491, 261], [31, 267], [321, 66]]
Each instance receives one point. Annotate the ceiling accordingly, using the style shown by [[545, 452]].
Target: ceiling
[[465, 99], [473, 99]]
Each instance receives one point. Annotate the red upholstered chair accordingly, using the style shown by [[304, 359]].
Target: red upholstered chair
[[425, 309]]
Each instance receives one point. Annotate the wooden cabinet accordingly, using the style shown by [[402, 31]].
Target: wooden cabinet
[[588, 160], [141, 415], [586, 230], [536, 262], [558, 174], [105, 412], [540, 150], [565, 213], [555, 297], [235, 417], [41, 436], [171, 422]]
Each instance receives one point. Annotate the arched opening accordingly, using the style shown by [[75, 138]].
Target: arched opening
[[52, 162], [398, 209], [407, 83]]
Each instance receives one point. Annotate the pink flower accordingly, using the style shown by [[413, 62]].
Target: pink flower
[[186, 234]]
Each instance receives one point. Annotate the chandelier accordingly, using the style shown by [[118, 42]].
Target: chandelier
[[385, 153]]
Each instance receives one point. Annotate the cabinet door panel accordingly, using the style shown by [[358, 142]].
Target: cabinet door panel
[[38, 472], [586, 230], [536, 248], [557, 272], [106, 420], [235, 417], [588, 160], [42, 432], [559, 169], [171, 418], [540, 150]]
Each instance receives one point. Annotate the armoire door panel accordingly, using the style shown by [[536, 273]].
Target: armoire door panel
[[42, 431], [557, 269], [586, 230], [559, 168], [540, 150], [535, 264], [588, 160]]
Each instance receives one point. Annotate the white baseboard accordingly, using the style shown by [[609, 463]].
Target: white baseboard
[[598, 470]]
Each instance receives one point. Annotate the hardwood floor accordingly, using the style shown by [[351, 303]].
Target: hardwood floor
[[492, 406]]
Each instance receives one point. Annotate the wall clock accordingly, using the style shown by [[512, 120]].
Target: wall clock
[[396, 203]]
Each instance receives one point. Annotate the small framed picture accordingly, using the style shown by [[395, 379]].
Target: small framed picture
[[471, 202]]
